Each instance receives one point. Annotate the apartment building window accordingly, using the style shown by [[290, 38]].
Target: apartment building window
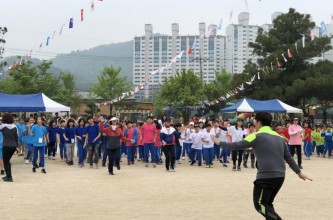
[[156, 44]]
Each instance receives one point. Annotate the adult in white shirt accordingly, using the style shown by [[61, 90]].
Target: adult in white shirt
[[238, 134], [208, 146]]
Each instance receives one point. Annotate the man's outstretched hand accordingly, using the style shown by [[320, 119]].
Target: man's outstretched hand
[[303, 176]]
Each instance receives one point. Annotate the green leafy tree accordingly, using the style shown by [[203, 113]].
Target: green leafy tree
[[291, 82], [28, 78], [220, 86], [67, 94], [110, 85], [183, 90]]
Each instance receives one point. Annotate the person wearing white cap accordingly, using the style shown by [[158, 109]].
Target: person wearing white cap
[[113, 134]]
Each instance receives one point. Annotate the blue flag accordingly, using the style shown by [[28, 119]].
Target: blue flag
[[47, 41], [323, 27], [219, 26], [71, 23]]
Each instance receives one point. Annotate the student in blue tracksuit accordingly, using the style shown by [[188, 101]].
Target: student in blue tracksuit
[[178, 146], [92, 142], [131, 133], [29, 146], [52, 131], [168, 135], [61, 140], [328, 141], [69, 136], [22, 130], [80, 134], [105, 144], [38, 132]]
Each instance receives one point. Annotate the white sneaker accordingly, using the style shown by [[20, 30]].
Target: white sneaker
[[146, 165], [27, 162], [183, 158], [154, 165], [172, 170], [96, 166], [53, 158]]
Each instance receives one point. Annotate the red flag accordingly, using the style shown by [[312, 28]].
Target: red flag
[[92, 7], [289, 54], [189, 51], [82, 14], [278, 63]]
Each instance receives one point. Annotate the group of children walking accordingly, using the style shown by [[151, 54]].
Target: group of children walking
[[102, 138]]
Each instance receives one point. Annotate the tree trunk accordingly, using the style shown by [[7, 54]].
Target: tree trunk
[[111, 106]]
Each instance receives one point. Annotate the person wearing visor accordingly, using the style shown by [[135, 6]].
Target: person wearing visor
[[114, 134]]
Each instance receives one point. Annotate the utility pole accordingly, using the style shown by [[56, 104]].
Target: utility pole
[[201, 60]]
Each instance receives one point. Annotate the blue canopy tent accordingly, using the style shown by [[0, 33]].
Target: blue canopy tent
[[251, 105], [29, 103]]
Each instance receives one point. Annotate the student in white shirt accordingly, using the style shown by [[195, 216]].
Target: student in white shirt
[[238, 134], [217, 132], [208, 146], [250, 130], [196, 148], [223, 138], [187, 143]]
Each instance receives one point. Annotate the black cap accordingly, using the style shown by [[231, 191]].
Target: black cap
[[168, 119]]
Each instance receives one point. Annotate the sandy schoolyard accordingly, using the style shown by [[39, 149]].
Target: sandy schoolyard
[[136, 192]]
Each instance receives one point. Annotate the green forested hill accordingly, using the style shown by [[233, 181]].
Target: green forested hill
[[87, 64]]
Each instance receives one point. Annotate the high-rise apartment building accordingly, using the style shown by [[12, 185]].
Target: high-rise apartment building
[[151, 52], [238, 37], [214, 53]]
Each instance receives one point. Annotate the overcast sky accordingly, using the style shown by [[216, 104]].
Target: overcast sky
[[30, 22]]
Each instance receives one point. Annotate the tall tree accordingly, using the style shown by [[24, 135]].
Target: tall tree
[[289, 82], [67, 94], [28, 78], [110, 85], [185, 89]]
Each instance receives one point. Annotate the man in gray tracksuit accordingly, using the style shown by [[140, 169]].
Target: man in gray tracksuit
[[271, 152]]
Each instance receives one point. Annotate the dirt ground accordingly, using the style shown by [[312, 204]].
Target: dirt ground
[[191, 192]]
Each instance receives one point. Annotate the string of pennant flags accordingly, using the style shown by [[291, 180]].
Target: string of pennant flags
[[151, 76], [279, 65], [71, 20]]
